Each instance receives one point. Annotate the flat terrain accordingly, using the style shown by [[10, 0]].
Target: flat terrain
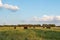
[[38, 33]]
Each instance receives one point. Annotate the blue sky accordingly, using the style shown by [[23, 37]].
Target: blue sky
[[30, 11]]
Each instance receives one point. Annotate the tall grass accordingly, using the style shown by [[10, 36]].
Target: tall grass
[[29, 34]]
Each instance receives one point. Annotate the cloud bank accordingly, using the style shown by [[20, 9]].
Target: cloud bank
[[7, 6], [44, 19]]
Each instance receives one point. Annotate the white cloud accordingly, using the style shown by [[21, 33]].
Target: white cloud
[[58, 17], [44, 19], [11, 7], [1, 4], [47, 18], [7, 6]]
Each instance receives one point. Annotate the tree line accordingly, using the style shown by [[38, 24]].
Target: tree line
[[31, 25]]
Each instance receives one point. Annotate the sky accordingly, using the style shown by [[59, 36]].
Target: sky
[[30, 12]]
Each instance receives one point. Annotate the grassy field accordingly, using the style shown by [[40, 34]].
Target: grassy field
[[9, 33]]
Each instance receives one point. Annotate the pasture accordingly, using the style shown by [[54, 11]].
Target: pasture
[[38, 33]]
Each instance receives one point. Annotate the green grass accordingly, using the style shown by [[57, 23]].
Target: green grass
[[29, 34]]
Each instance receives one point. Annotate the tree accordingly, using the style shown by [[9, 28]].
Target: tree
[[48, 26], [38, 25], [18, 25], [44, 25], [52, 25]]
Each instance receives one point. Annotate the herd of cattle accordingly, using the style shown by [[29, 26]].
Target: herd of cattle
[[30, 25]]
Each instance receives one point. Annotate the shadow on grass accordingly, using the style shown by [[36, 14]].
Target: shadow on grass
[[51, 35]]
